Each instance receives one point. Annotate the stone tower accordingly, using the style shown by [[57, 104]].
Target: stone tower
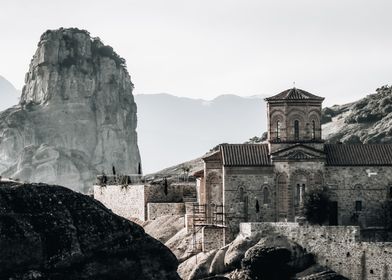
[[296, 148], [294, 116]]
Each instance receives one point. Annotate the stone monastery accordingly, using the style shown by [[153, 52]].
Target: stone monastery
[[267, 182]]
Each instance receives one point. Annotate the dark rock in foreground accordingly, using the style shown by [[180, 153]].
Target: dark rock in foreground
[[51, 232]]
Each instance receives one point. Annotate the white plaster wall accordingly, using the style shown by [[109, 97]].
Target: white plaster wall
[[128, 202]]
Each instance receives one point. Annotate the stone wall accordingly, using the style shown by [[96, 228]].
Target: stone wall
[[212, 238], [338, 247], [244, 189], [351, 184], [128, 202], [156, 210], [175, 192]]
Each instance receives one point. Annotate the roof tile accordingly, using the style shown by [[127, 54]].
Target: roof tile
[[358, 154], [294, 94], [245, 155]]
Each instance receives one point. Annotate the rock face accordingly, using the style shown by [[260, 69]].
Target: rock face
[[76, 117], [368, 120], [51, 232]]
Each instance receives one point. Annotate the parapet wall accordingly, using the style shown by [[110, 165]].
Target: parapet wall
[[338, 247], [156, 210], [125, 201], [174, 192]]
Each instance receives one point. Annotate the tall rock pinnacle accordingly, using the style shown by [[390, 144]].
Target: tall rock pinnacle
[[76, 117]]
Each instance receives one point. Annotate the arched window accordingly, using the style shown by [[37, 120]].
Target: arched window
[[298, 194], [296, 130], [313, 130], [266, 196], [241, 193], [278, 130], [282, 195]]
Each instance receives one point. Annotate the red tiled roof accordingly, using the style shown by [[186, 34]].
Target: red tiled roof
[[294, 94], [245, 155], [358, 154]]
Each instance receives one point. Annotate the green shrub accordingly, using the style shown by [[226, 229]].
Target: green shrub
[[316, 205]]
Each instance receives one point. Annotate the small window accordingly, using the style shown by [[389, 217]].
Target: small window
[[313, 130], [257, 206], [241, 193], [390, 193], [358, 205], [296, 130], [278, 130], [266, 196]]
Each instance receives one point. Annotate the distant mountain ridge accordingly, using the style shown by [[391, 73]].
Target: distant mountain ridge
[[368, 120], [179, 128], [8, 94]]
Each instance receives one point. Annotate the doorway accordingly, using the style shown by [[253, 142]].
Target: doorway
[[333, 213]]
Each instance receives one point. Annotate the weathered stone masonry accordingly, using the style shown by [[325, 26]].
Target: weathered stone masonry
[[338, 247], [268, 182]]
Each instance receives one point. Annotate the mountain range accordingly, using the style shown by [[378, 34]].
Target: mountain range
[[175, 129], [365, 121]]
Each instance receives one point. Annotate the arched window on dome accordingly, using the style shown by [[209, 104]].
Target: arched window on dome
[[313, 130], [296, 130], [278, 130]]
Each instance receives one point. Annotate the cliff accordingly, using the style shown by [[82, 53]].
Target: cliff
[[368, 120], [76, 117], [51, 232]]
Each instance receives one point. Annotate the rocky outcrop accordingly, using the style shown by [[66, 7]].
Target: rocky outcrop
[[368, 120], [76, 117], [270, 256], [51, 232]]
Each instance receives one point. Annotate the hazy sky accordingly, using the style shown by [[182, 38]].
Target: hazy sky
[[340, 49]]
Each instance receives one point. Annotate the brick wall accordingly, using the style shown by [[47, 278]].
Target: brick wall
[[337, 247]]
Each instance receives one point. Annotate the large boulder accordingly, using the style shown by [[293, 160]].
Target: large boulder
[[276, 257], [165, 227], [51, 232], [76, 116], [236, 250]]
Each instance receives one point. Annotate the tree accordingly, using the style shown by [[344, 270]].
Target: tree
[[316, 205], [185, 170]]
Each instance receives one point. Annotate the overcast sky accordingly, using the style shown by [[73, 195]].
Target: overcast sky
[[340, 49]]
